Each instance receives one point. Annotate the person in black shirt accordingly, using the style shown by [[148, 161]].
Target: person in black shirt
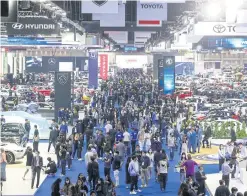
[[93, 172], [62, 154], [222, 189], [80, 188], [27, 127], [57, 150], [52, 138], [51, 167], [29, 155], [56, 187], [36, 139]]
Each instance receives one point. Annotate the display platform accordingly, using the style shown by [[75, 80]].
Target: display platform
[[212, 183], [15, 185]]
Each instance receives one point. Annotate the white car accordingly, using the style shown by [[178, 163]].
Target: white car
[[20, 116], [232, 102], [13, 152], [4, 93], [242, 107]]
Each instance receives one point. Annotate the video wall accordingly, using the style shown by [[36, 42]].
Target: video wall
[[212, 43], [45, 64], [184, 68]]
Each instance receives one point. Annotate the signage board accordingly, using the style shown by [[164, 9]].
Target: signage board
[[169, 75], [33, 26], [151, 14], [213, 43], [216, 29], [103, 66], [161, 75]]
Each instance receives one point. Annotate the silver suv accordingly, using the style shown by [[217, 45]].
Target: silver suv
[[13, 152]]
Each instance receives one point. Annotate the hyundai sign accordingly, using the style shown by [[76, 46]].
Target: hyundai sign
[[33, 26]]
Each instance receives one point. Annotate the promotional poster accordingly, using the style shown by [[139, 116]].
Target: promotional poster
[[62, 89], [161, 75], [169, 75], [93, 70]]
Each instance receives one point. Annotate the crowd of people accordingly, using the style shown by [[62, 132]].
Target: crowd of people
[[128, 125]]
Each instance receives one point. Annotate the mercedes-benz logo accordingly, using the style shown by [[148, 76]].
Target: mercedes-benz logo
[[99, 3], [17, 26], [169, 61], [219, 28], [52, 61]]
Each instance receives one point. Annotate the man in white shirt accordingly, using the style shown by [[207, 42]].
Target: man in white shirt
[[108, 127], [126, 141], [88, 156]]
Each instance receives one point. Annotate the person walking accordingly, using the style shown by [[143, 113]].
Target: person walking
[[162, 170], [134, 173], [37, 164], [93, 173], [116, 165], [221, 155], [190, 167], [29, 154], [3, 162], [107, 163], [52, 138], [145, 164], [226, 171], [36, 139], [126, 141], [62, 157], [27, 127]]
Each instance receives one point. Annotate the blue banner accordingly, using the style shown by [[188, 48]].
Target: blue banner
[[213, 43], [184, 68], [17, 41], [161, 75], [169, 75], [93, 70]]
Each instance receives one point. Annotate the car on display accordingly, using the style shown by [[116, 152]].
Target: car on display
[[11, 101], [20, 116], [30, 107], [182, 94], [13, 152], [232, 102], [4, 93], [241, 107], [12, 133]]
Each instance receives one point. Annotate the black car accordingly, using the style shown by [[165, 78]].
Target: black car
[[12, 132]]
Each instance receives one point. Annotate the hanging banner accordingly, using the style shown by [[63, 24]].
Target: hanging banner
[[103, 59], [95, 6], [112, 19], [161, 75], [93, 70], [151, 14], [62, 91], [33, 26], [169, 75]]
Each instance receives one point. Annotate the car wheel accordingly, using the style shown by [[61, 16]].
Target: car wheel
[[10, 157]]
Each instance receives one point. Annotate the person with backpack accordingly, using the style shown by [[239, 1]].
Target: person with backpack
[[93, 173], [116, 164], [145, 163], [162, 169]]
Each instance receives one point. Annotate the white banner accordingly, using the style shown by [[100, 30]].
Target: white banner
[[216, 29], [96, 6], [142, 37], [131, 61], [112, 19], [151, 14]]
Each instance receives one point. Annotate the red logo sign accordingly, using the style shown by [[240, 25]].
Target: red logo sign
[[103, 66]]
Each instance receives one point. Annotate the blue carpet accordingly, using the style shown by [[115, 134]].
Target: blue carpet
[[173, 182]]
